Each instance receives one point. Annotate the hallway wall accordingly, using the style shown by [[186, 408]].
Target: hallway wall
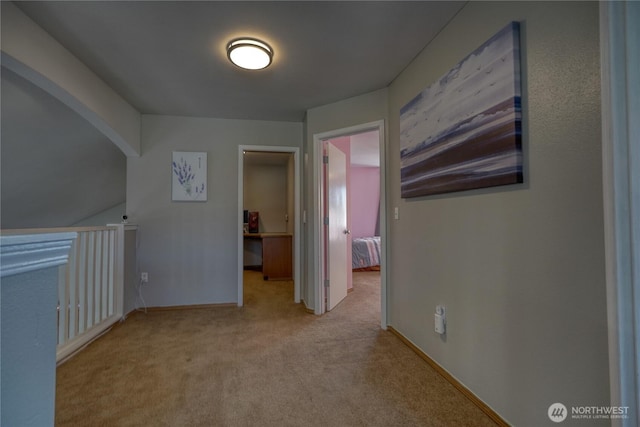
[[519, 268], [190, 249]]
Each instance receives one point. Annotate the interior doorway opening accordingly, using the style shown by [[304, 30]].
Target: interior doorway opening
[[363, 145], [268, 216]]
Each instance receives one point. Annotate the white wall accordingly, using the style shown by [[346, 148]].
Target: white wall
[[265, 191], [519, 268], [190, 249]]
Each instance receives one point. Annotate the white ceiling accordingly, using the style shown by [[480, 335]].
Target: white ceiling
[[169, 57]]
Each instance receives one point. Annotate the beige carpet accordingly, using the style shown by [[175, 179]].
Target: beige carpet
[[269, 363]]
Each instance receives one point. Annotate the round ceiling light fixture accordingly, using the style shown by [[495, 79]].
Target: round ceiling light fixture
[[250, 54]]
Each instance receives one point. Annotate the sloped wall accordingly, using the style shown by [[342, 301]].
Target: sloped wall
[[57, 169]]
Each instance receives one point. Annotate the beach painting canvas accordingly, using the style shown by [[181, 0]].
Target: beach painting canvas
[[464, 131]]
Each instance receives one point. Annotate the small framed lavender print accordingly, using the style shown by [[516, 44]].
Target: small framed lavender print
[[189, 176]]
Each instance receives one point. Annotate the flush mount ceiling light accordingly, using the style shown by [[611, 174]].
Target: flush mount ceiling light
[[248, 53]]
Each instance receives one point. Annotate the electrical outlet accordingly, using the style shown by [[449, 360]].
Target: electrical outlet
[[440, 320], [144, 277]]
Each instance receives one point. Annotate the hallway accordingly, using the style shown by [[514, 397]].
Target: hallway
[[269, 363]]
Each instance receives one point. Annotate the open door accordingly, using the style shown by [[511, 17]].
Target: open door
[[326, 297], [336, 230], [293, 215]]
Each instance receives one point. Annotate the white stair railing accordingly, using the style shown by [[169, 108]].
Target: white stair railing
[[90, 285], [89, 288]]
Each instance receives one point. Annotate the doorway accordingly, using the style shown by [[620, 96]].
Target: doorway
[[278, 222], [323, 287]]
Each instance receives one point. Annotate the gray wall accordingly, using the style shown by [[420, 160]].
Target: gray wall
[[57, 169], [190, 249], [519, 268], [362, 109]]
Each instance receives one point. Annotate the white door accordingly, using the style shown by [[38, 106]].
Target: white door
[[337, 229]]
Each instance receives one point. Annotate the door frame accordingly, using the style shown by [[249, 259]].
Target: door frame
[[296, 214], [318, 191], [619, 31]]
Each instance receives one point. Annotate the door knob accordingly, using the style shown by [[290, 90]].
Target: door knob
[[347, 231]]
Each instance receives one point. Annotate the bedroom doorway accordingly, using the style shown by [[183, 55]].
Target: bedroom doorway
[[269, 188], [363, 147]]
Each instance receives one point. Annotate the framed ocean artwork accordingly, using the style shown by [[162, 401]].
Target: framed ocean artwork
[[465, 130], [189, 176]]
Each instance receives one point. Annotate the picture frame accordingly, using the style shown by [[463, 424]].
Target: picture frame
[[464, 131], [189, 176]]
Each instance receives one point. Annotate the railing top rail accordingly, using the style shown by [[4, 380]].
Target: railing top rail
[[12, 232]]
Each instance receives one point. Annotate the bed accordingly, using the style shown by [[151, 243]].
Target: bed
[[366, 253]]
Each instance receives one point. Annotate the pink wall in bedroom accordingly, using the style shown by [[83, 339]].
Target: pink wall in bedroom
[[363, 198], [364, 201]]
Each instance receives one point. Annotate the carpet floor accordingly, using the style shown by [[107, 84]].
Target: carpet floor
[[269, 363]]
